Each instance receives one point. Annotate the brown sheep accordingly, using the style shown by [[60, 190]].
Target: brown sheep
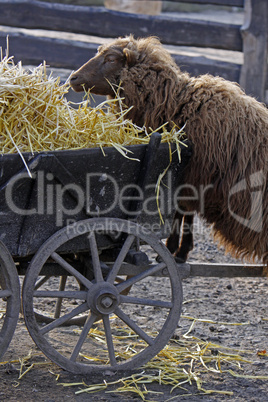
[[227, 177]]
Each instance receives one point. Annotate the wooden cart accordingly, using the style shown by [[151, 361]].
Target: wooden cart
[[85, 232]]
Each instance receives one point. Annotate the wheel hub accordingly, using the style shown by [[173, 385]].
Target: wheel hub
[[103, 298]]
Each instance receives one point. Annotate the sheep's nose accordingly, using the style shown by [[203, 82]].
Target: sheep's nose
[[73, 78]]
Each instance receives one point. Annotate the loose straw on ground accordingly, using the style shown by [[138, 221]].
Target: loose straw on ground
[[183, 361]]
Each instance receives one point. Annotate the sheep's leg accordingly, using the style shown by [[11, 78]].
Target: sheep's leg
[[173, 240], [187, 243], [181, 249]]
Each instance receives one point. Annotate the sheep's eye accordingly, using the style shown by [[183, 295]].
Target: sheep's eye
[[110, 59]]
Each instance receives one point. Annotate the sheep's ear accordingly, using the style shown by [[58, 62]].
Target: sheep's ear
[[130, 56]]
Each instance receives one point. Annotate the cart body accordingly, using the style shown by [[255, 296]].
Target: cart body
[[69, 186]]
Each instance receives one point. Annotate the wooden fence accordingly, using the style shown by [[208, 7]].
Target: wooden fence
[[251, 38]]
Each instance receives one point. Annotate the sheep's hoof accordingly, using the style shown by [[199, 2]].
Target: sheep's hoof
[[180, 260]]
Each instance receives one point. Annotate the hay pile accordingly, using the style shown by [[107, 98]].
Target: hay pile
[[35, 116]]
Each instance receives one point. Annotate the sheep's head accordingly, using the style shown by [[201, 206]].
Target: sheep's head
[[144, 71], [101, 74]]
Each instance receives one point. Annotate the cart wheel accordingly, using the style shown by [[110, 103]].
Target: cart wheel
[[121, 331], [9, 298]]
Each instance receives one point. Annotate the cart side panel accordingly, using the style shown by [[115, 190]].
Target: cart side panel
[[70, 186]]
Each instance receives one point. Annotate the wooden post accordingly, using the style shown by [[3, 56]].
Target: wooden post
[[253, 77], [135, 6]]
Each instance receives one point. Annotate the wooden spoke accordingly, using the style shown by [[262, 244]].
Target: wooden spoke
[[59, 321], [109, 340], [145, 302], [88, 325], [134, 326], [5, 293], [69, 268], [95, 257], [120, 258], [41, 281], [150, 271]]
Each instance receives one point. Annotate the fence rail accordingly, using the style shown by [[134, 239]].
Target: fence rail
[[232, 3], [251, 38], [100, 21]]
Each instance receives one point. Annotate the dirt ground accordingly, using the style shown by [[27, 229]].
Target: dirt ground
[[219, 302], [223, 302]]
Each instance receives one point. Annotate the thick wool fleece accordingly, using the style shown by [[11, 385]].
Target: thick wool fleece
[[229, 133]]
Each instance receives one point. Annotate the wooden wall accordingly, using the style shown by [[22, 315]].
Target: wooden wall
[[251, 38]]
